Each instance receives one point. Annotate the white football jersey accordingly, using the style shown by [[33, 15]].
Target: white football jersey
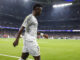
[[30, 23]]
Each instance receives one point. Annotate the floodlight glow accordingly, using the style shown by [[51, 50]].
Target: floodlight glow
[[26, 0], [61, 5]]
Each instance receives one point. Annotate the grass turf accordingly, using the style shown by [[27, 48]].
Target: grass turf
[[56, 49]]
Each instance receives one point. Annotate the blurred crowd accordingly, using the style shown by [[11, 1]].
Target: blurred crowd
[[64, 35], [7, 33], [11, 33]]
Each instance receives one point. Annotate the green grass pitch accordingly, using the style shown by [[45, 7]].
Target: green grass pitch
[[51, 49]]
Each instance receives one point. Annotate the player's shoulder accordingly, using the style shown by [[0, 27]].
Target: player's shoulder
[[29, 16]]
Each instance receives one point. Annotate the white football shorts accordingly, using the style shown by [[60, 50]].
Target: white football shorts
[[31, 47]]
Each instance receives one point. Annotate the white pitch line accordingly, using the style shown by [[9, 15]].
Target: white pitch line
[[11, 56]]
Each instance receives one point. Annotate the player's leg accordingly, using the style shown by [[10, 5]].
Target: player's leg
[[37, 57], [24, 56], [35, 52], [25, 53]]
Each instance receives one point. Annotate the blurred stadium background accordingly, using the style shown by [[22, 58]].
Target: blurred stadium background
[[60, 22]]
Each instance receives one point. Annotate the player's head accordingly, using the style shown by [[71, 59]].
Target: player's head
[[37, 8]]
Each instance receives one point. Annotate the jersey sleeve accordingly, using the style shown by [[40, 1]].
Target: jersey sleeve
[[25, 23]]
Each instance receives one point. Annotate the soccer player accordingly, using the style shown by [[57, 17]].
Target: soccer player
[[30, 25]]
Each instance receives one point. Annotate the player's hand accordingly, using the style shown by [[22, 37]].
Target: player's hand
[[45, 36], [15, 43]]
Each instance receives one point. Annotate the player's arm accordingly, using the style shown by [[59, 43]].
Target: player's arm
[[18, 36], [24, 25], [43, 35]]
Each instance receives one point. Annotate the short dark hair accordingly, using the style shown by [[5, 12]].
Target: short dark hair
[[36, 5]]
